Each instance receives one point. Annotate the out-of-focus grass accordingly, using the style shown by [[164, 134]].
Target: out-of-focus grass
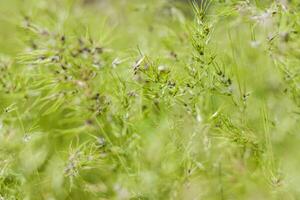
[[156, 99]]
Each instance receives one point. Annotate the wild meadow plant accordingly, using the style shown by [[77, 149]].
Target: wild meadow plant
[[154, 99]]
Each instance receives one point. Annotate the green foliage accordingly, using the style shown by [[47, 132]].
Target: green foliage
[[153, 99]]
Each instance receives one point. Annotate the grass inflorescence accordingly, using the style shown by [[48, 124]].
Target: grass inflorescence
[[153, 99]]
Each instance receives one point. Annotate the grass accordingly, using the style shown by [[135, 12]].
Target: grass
[[153, 99]]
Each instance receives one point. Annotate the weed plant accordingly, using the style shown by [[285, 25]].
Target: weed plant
[[153, 99]]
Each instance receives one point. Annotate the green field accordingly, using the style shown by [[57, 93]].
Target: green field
[[149, 100]]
